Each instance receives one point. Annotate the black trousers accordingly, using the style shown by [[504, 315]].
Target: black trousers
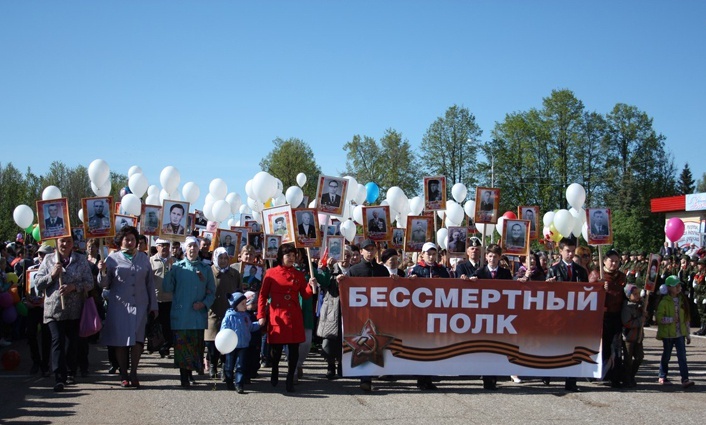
[[37, 328], [64, 347]]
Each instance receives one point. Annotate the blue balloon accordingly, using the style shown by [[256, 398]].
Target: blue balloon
[[372, 191]]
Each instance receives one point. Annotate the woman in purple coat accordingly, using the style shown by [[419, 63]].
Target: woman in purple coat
[[127, 275]]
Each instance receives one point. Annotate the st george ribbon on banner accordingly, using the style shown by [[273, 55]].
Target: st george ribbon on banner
[[454, 327]]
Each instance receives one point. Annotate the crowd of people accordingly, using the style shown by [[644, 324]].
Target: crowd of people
[[183, 295]]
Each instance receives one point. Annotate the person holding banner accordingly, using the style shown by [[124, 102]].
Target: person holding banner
[[566, 271], [428, 265], [466, 269], [492, 270], [615, 282]]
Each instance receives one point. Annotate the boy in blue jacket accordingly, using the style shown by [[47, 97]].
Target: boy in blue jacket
[[239, 321]]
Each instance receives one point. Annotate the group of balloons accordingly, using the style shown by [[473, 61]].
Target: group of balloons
[[563, 223], [24, 215], [10, 301]]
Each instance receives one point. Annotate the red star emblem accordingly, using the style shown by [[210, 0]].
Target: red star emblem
[[368, 346]]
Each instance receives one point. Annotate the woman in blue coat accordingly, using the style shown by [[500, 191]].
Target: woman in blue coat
[[194, 290], [127, 275]]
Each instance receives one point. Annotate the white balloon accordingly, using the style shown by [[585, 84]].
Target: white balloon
[[280, 200], [294, 196], [280, 188], [175, 196], [395, 196], [153, 189], [152, 200], [169, 178], [301, 179], [441, 236], [348, 230], [133, 170], [575, 196], [416, 205], [131, 204], [312, 204], [103, 190], [226, 341], [244, 209], [459, 192], [23, 216], [548, 218], [486, 229], [232, 222], [138, 184], [454, 212], [208, 211], [358, 214], [235, 202], [99, 173], [255, 205], [220, 210], [564, 222], [264, 186], [352, 183], [210, 199], [80, 214], [362, 194], [218, 188], [450, 223], [584, 231], [579, 219], [51, 192], [470, 208], [163, 196], [249, 190], [441, 214], [501, 222], [402, 220], [191, 192]]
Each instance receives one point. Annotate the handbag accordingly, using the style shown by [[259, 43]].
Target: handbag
[[329, 317], [155, 336], [90, 321]]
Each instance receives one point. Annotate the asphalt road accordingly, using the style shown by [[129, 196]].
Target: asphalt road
[[98, 399]]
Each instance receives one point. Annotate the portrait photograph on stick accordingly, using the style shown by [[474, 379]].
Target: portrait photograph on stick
[[376, 223], [598, 221], [530, 213], [397, 241], [272, 243], [174, 216], [308, 234], [243, 237], [149, 220], [279, 221], [420, 229], [255, 241], [487, 202], [335, 245], [331, 194], [100, 222], [122, 220], [53, 218], [251, 274], [457, 240], [515, 237], [228, 239], [435, 193]]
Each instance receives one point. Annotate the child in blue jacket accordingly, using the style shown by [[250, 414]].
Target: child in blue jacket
[[239, 321]]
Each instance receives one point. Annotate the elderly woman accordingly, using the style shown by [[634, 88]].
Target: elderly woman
[[227, 282], [127, 275], [64, 278], [283, 285], [194, 290]]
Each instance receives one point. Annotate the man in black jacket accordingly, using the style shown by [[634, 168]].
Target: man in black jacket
[[467, 268]]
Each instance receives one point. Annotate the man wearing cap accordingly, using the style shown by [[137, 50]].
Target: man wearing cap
[[161, 263], [624, 261], [615, 282], [467, 268], [566, 270]]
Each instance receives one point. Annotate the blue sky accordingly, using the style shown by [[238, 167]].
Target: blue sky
[[206, 86]]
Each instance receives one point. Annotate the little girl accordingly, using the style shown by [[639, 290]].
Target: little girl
[[673, 328], [238, 320]]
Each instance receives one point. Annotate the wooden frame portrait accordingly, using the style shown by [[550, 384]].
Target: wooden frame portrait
[[457, 240], [420, 229], [600, 231], [98, 217], [29, 282], [243, 232], [652, 272], [314, 253], [336, 225], [487, 204], [200, 220], [531, 213], [150, 220], [272, 243], [253, 225], [331, 194], [308, 234], [122, 220], [279, 221], [376, 223], [516, 237], [252, 274], [255, 241], [53, 218], [79, 236], [435, 193], [228, 239], [335, 245], [174, 223], [397, 240], [357, 240]]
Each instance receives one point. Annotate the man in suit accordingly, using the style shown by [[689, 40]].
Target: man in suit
[[375, 224], [566, 270], [331, 198], [174, 227], [486, 203], [492, 270], [272, 247], [306, 228], [54, 224], [599, 225], [466, 269], [529, 215], [98, 220]]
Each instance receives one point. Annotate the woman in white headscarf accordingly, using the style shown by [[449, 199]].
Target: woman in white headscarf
[[228, 281]]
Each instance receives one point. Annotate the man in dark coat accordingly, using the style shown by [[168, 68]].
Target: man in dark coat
[[466, 269]]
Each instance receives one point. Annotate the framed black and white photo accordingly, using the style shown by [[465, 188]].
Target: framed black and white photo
[[331, 195], [98, 213]]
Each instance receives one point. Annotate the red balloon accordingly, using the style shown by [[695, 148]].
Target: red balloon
[[10, 359], [510, 215]]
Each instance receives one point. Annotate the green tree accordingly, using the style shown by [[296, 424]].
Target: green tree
[[686, 181], [289, 158], [701, 185], [450, 146], [392, 162]]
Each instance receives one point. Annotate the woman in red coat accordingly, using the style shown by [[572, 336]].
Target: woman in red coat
[[282, 286]]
